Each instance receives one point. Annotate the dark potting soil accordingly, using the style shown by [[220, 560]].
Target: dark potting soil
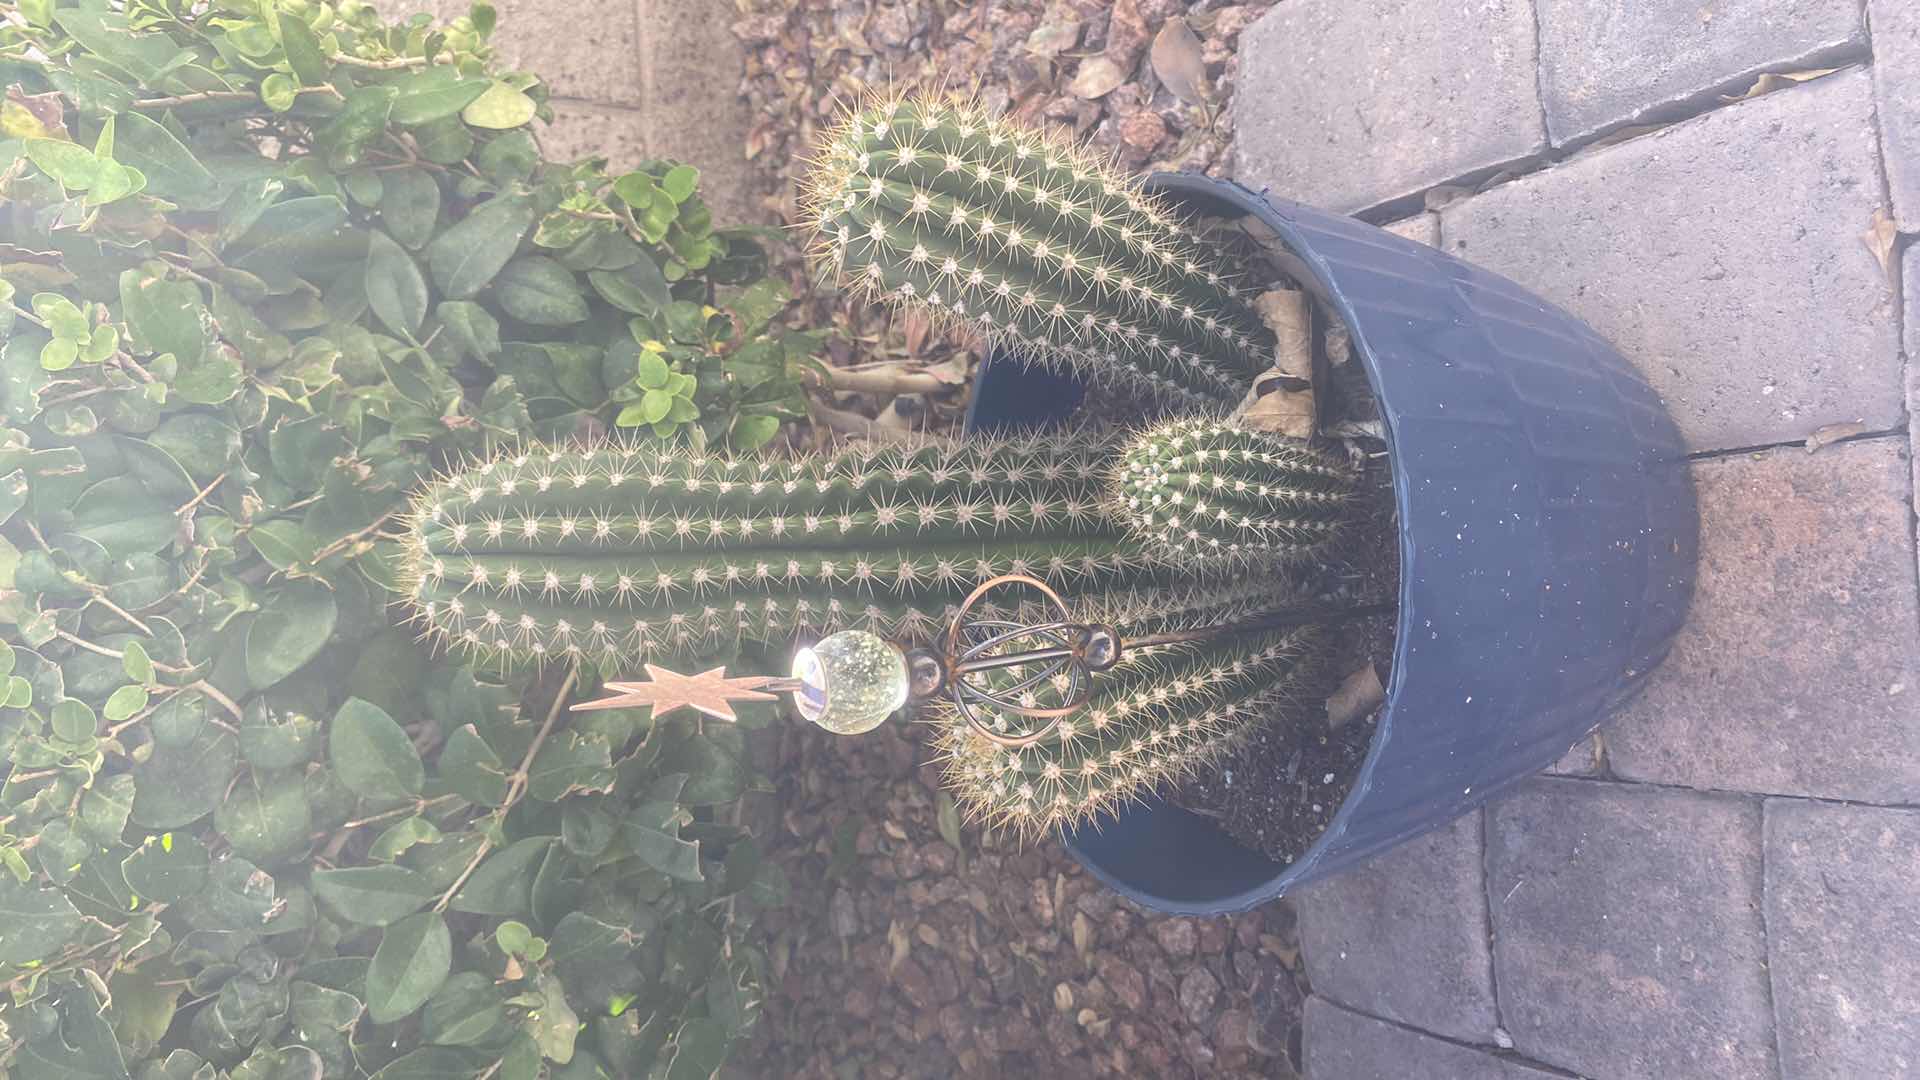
[[1279, 788]]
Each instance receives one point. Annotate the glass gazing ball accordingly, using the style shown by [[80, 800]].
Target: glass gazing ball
[[850, 681]]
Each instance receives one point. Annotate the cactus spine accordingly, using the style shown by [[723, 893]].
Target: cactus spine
[[1156, 717], [1038, 244], [614, 552], [1203, 488]]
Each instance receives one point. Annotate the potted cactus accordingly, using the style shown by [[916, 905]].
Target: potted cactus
[[1546, 524]]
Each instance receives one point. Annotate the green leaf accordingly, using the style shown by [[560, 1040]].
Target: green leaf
[[680, 182], [536, 289], [395, 840], [168, 867], [278, 92], [63, 318], [662, 850], [513, 936], [284, 543], [125, 702], [171, 170], [164, 315], [435, 1063], [653, 370], [105, 806], [410, 206], [363, 119], [753, 431], [115, 182], [639, 289], [467, 256], [80, 1047], [436, 93], [469, 768], [466, 1009], [471, 328], [501, 885], [199, 442], [570, 763], [19, 693], [371, 754], [411, 962], [595, 958], [291, 630], [181, 784], [498, 108], [636, 189], [554, 1024], [303, 51], [73, 166], [290, 235], [699, 1049], [653, 407], [137, 664], [395, 287], [373, 895], [445, 141], [34, 923], [59, 354], [265, 819]]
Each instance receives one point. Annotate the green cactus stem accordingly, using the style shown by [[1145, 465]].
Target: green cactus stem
[[615, 552], [1202, 487], [1038, 244], [1158, 716]]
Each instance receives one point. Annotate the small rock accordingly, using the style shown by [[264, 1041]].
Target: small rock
[[1213, 937], [1143, 130], [1097, 77], [841, 918], [1197, 1049], [895, 24], [1128, 987], [858, 1002], [1198, 992], [1095, 902], [914, 984], [1501, 1039], [1127, 34], [937, 857], [1129, 1034], [1230, 1032], [909, 864], [1043, 901], [956, 1026], [1246, 930], [1059, 30], [1177, 936]]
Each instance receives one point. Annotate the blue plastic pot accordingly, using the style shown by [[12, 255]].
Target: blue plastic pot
[[1548, 536]]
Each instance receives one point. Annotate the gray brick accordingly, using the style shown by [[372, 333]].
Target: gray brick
[[1345, 1045], [1405, 935], [580, 129], [1628, 938], [1896, 84], [1723, 257], [582, 48], [1421, 228], [1584, 759], [1843, 917], [1607, 65], [1346, 104], [1798, 672]]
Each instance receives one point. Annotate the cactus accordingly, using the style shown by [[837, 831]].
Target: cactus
[[1155, 718], [614, 552], [1035, 242], [1202, 488]]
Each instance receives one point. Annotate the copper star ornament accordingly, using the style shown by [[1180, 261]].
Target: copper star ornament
[[709, 692]]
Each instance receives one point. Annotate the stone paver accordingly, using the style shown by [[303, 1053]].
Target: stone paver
[[1843, 912], [579, 130], [1628, 938], [1424, 228], [1405, 936], [1347, 104], [581, 48], [694, 113], [1798, 672], [1585, 759], [1723, 257], [1896, 84], [1606, 65], [1345, 1045]]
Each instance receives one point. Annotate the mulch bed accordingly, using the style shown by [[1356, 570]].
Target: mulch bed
[[901, 954]]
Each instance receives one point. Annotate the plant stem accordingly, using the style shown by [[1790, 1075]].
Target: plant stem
[[517, 784]]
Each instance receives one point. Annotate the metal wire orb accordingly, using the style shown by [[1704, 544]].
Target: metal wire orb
[[975, 677]]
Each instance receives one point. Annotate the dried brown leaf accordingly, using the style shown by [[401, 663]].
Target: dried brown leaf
[[33, 116], [1280, 410], [1439, 198], [902, 943], [1083, 936], [1055, 35], [1771, 81], [1357, 696], [1177, 61], [1289, 315], [1880, 238], [918, 327], [1097, 77], [1833, 433], [1062, 997]]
